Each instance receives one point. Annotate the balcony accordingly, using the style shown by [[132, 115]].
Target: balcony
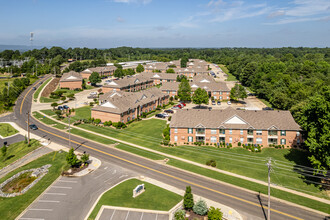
[[200, 132]]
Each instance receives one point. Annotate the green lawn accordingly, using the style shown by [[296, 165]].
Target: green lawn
[[16, 151], [4, 81], [92, 136], [48, 112], [10, 208], [81, 113], [7, 130], [154, 197], [36, 94], [148, 133], [48, 121], [47, 100], [230, 76]]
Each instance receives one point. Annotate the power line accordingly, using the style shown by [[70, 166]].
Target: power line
[[310, 168]]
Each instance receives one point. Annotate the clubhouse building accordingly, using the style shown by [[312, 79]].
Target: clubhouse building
[[71, 80]]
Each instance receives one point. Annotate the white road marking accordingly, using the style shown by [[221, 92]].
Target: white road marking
[[67, 181], [62, 187], [105, 168], [141, 216], [48, 210], [156, 216], [122, 176], [32, 218], [113, 214], [101, 174], [127, 215], [59, 194], [48, 201]]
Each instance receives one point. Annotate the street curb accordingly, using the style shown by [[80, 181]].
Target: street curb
[[214, 180], [39, 96]]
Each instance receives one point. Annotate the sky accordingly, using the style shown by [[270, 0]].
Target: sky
[[166, 23]]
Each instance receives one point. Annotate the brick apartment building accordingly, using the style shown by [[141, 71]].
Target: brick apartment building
[[198, 64], [103, 71], [118, 106], [129, 84], [71, 80], [233, 126], [190, 72], [159, 66]]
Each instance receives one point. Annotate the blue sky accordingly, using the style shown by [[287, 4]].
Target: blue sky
[[166, 23]]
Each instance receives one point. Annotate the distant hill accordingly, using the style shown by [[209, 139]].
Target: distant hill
[[18, 47]]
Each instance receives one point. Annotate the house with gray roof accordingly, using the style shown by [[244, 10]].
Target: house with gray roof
[[129, 84], [71, 80], [256, 127], [103, 71]]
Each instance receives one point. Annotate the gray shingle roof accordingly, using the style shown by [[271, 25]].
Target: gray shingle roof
[[234, 119], [99, 69], [128, 80], [208, 86], [71, 76]]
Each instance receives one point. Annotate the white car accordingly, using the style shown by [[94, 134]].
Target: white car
[[165, 114], [229, 102], [93, 93]]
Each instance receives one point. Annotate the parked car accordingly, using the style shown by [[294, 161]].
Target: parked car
[[33, 127], [268, 108], [34, 88], [213, 102], [175, 107], [160, 116], [169, 111], [66, 107], [60, 108], [165, 114], [181, 105], [218, 103], [93, 93], [229, 102], [184, 104]]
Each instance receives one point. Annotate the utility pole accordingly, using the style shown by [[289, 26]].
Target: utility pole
[[36, 69], [269, 165], [69, 133], [28, 126], [8, 89]]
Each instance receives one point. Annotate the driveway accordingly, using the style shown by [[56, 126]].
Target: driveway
[[72, 197], [119, 214]]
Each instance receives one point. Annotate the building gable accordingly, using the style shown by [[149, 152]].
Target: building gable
[[235, 120], [108, 104]]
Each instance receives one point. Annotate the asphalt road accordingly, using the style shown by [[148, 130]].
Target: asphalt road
[[250, 204]]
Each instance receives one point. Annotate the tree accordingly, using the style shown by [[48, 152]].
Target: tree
[[4, 150], [200, 207], [179, 215], [70, 96], [238, 92], [314, 118], [63, 98], [170, 70], [184, 91], [95, 78], [71, 158], [214, 214], [139, 68], [118, 73], [84, 158], [179, 78], [184, 61], [54, 105], [200, 96], [188, 199]]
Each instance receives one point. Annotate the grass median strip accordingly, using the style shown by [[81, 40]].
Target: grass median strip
[[154, 197], [7, 130], [10, 208], [36, 94]]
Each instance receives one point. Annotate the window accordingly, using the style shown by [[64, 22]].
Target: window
[[241, 132], [298, 141], [230, 140], [220, 93], [283, 133], [259, 140], [213, 139], [250, 132], [200, 130], [222, 131], [128, 118], [250, 140], [154, 107], [214, 93], [175, 138], [220, 97], [173, 92], [190, 139], [230, 131], [200, 138], [168, 92], [214, 97], [133, 117], [283, 141], [272, 140], [272, 133], [241, 140], [222, 139], [213, 131], [298, 133], [190, 130], [259, 132]]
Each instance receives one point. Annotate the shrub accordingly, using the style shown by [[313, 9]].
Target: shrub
[[239, 144], [171, 98], [71, 158], [91, 104], [200, 207], [211, 163], [179, 215], [214, 214], [97, 121], [77, 123], [4, 150], [169, 118], [84, 158], [207, 144], [188, 199]]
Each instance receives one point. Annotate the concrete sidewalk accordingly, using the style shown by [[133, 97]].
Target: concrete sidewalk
[[201, 165]]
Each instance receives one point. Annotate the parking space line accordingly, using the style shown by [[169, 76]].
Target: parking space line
[[62, 187], [48, 210], [32, 218], [156, 216], [127, 215], [113, 214], [101, 174], [48, 201], [67, 181], [59, 194], [123, 176], [141, 216]]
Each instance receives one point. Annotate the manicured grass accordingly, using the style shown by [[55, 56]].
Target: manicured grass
[[92, 136], [44, 119], [47, 100], [148, 133], [154, 197], [140, 152], [7, 130], [36, 94], [48, 112], [60, 126], [231, 77], [10, 208], [19, 183], [16, 151], [81, 113]]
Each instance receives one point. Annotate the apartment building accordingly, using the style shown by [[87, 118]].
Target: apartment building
[[198, 64], [103, 71], [129, 84], [233, 126], [118, 106], [176, 63], [154, 67], [71, 80]]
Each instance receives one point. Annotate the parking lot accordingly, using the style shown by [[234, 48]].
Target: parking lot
[[119, 214], [72, 197]]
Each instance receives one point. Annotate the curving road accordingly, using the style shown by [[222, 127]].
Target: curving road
[[250, 205]]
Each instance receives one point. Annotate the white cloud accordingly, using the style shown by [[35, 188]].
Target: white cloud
[[296, 20], [120, 19], [276, 14], [133, 1]]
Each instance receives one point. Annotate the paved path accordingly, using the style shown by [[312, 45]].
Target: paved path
[[202, 165]]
